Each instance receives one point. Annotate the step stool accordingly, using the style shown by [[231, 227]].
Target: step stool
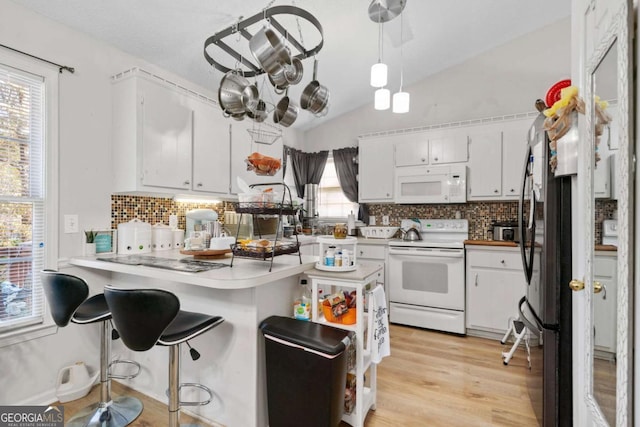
[[519, 331]]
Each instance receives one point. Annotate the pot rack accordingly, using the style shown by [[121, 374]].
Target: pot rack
[[268, 15]]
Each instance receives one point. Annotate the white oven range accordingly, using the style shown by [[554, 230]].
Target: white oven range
[[426, 277]]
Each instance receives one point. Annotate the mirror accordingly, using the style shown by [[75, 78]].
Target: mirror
[[604, 104], [606, 324]]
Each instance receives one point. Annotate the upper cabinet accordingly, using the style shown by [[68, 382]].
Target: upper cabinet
[[167, 139], [485, 163], [514, 149], [448, 146], [375, 169], [411, 149], [496, 159]]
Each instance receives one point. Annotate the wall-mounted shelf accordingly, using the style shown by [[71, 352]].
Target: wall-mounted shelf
[[270, 17]]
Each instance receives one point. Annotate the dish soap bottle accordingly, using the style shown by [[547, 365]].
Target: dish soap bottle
[[302, 306]]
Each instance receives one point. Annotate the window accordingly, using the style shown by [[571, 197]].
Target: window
[[332, 201], [28, 125]]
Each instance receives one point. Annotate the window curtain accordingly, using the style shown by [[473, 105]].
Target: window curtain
[[346, 161], [307, 167]]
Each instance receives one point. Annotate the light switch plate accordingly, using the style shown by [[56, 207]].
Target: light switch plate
[[71, 224]]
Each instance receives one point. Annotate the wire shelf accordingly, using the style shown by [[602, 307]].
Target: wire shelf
[[262, 136]]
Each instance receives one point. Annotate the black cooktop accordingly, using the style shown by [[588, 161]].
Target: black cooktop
[[185, 264]]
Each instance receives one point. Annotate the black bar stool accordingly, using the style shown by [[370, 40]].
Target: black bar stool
[[148, 317], [67, 298]]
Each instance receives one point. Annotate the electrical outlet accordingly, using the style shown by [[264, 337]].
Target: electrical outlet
[[385, 219], [71, 224]]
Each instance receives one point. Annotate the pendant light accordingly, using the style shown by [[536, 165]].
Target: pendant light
[[382, 99], [401, 99], [379, 70]]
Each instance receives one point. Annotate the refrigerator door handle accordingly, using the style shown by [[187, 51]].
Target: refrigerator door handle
[[526, 263]]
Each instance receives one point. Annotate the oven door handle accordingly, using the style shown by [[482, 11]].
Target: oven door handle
[[427, 252]]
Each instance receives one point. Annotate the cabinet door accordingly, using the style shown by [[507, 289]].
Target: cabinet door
[[604, 304], [376, 168], [450, 146], [412, 150], [211, 149], [492, 298], [166, 137], [514, 147], [241, 147], [485, 164]]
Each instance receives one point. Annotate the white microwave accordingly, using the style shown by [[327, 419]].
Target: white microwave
[[431, 184]]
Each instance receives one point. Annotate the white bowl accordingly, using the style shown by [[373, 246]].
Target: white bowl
[[378, 232], [221, 243]]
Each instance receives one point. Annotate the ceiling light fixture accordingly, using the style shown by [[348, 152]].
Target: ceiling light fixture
[[382, 99], [401, 99]]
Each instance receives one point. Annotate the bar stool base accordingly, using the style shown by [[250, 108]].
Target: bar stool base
[[119, 413]]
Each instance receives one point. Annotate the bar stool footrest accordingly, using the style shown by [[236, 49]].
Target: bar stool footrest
[[194, 385], [124, 377]]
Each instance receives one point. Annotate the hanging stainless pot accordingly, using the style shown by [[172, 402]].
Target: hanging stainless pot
[[315, 96], [287, 76], [286, 112], [269, 51], [236, 94]]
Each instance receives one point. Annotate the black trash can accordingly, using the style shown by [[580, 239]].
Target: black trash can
[[306, 372]]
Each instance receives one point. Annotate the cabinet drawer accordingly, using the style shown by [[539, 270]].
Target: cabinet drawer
[[604, 267], [371, 251], [508, 260]]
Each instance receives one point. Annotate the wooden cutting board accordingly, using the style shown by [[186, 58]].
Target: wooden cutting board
[[207, 253]]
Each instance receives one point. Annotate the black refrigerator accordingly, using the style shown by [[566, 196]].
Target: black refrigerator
[[544, 215]]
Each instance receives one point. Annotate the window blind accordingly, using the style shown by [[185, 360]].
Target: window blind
[[332, 201], [22, 198]]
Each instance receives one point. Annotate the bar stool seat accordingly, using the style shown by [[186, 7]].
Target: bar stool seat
[[149, 317], [67, 298]]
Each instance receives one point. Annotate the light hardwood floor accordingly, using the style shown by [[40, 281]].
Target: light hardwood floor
[[430, 379]]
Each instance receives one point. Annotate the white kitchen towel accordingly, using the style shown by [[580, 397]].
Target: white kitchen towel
[[378, 339]]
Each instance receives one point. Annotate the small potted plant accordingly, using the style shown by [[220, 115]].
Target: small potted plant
[[90, 244]]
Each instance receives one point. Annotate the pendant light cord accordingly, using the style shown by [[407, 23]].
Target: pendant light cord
[[380, 44], [401, 46]]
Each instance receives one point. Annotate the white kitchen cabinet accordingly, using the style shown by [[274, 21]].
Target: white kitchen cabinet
[[241, 147], [514, 148], [375, 169], [412, 149], [495, 284], [167, 127], [165, 138], [604, 303], [485, 164], [602, 172], [211, 150], [448, 146]]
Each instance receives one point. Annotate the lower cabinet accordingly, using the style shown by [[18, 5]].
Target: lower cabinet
[[495, 284], [605, 271]]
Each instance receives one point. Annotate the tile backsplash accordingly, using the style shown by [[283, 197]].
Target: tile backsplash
[[153, 210], [480, 214]]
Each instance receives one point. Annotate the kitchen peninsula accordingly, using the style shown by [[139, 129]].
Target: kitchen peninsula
[[232, 362]]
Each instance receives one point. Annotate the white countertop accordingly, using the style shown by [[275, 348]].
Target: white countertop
[[245, 273], [306, 239]]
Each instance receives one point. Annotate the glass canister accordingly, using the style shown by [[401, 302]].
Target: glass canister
[[340, 231]]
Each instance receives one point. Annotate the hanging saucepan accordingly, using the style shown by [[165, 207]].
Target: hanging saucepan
[[286, 112], [269, 51], [315, 96], [236, 94]]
